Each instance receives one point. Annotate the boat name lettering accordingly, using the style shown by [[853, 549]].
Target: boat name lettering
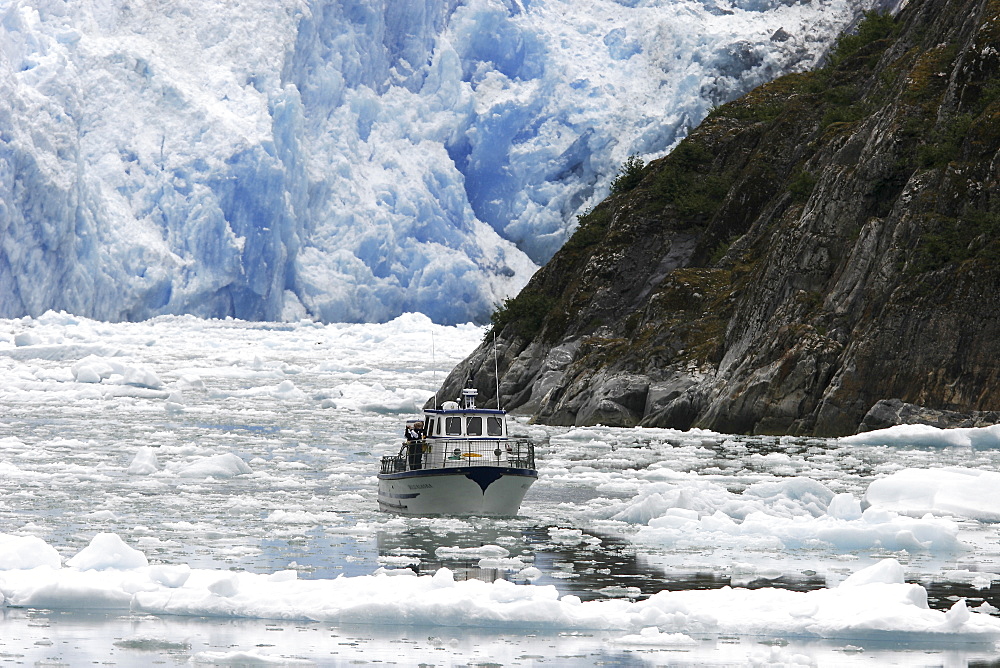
[[423, 486]]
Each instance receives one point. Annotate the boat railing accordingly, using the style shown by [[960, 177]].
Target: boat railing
[[449, 453], [522, 455]]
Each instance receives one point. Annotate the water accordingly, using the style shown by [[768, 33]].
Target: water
[[311, 409]]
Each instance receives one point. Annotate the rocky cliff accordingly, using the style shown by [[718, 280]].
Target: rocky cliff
[[826, 242]]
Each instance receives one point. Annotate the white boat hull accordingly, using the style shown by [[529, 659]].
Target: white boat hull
[[460, 490]]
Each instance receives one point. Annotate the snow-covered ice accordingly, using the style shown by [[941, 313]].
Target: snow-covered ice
[[228, 516], [927, 435], [959, 492], [874, 603], [273, 159]]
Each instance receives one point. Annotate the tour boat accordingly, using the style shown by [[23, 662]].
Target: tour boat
[[458, 460]]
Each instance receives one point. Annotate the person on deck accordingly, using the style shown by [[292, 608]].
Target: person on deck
[[414, 446]]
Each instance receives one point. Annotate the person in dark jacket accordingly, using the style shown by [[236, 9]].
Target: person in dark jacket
[[414, 445]]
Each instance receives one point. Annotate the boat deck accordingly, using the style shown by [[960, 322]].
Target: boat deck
[[436, 453]]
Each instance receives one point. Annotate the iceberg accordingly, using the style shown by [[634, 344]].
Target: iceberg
[[343, 161]]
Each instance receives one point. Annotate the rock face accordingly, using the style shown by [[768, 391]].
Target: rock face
[[892, 412], [824, 243]]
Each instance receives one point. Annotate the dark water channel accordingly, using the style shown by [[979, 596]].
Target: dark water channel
[[613, 568]]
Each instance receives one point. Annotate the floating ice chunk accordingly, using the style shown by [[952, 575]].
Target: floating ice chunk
[[652, 636], [86, 374], [287, 391], [399, 561], [844, 507], [470, 552], [978, 579], [144, 462], [175, 402], [247, 658], [152, 644], [780, 521], [506, 564], [618, 591], [566, 536], [226, 586], [12, 443], [68, 589], [887, 571], [393, 572], [27, 338], [293, 517], [140, 377], [107, 550], [219, 466], [443, 578], [34, 454], [986, 609], [928, 436], [92, 366], [771, 459], [962, 492], [24, 552], [189, 381], [958, 614], [793, 495], [778, 656]]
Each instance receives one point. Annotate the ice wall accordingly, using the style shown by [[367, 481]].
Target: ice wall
[[344, 160]]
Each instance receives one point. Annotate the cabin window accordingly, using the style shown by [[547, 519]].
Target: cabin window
[[453, 426], [494, 426], [474, 426], [430, 427]]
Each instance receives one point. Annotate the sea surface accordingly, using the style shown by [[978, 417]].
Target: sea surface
[[311, 408]]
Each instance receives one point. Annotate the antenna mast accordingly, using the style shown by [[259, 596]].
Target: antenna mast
[[496, 368], [435, 370]]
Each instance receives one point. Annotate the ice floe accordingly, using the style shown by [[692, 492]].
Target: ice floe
[[873, 603], [962, 492]]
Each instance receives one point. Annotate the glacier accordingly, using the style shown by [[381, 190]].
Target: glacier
[[348, 160]]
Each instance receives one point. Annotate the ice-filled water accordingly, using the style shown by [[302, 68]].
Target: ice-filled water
[[268, 159], [190, 491]]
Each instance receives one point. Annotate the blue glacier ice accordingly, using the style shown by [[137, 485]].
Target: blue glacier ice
[[343, 160]]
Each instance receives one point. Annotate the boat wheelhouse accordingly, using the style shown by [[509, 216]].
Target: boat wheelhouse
[[458, 460]]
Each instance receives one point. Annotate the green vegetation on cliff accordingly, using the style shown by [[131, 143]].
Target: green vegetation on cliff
[[824, 242]]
